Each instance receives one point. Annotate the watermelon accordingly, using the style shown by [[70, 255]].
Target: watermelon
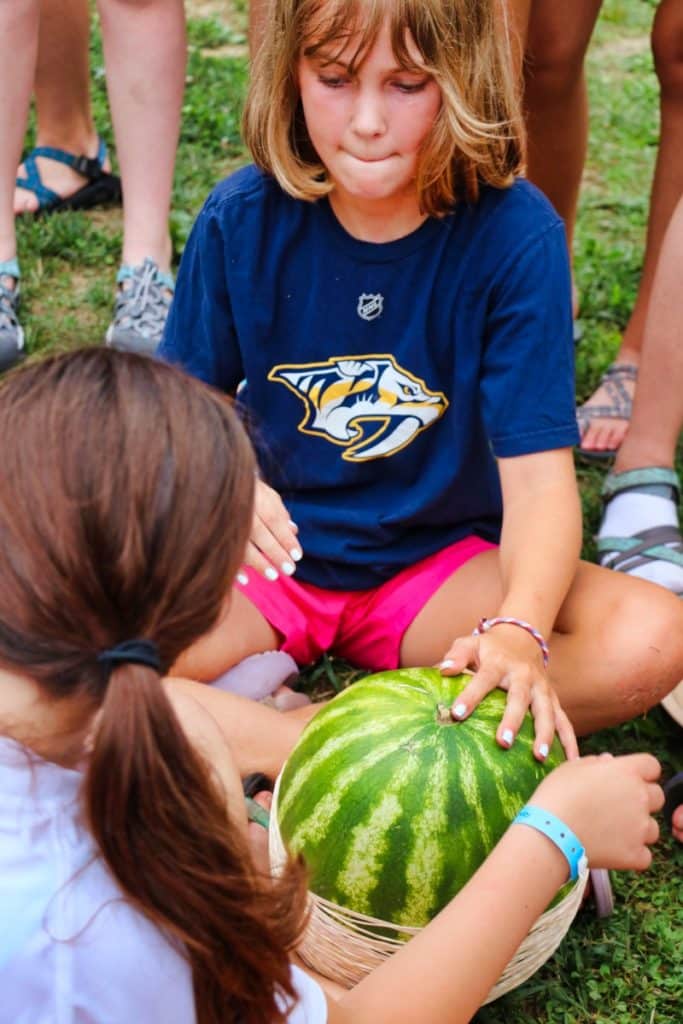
[[392, 804]]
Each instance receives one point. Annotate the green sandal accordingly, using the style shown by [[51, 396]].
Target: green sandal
[[659, 543]]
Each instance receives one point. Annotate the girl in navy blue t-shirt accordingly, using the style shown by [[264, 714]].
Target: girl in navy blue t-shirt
[[395, 304]]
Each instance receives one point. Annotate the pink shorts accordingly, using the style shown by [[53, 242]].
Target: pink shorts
[[364, 626]]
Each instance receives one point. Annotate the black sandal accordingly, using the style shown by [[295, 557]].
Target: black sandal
[[102, 186]]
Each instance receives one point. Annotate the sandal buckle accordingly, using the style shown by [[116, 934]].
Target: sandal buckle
[[89, 167]]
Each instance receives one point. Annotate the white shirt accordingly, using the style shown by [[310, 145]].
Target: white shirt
[[72, 951]]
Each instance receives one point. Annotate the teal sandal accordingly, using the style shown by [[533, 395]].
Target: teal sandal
[[102, 187], [252, 784], [659, 543]]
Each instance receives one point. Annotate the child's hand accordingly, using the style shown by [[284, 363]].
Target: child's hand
[[273, 545], [510, 659], [608, 802]]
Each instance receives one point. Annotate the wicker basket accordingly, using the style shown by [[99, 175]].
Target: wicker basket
[[673, 703], [341, 944]]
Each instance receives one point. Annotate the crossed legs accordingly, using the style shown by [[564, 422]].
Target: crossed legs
[[617, 648]]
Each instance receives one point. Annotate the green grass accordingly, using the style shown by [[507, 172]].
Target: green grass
[[627, 969]]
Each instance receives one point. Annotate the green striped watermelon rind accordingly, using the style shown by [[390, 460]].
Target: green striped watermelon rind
[[407, 843]]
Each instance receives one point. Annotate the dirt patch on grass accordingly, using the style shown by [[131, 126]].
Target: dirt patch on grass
[[622, 47], [219, 10]]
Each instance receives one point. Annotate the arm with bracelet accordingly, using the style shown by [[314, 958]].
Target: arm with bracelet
[[446, 971], [539, 551]]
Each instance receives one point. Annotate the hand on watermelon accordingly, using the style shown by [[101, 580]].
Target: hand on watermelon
[[273, 545], [509, 658], [608, 802]]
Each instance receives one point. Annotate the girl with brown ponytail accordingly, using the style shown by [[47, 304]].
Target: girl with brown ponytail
[[127, 894], [125, 501]]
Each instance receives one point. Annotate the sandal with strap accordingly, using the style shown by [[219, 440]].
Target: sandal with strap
[[614, 381], [659, 543], [11, 331], [102, 186], [252, 784]]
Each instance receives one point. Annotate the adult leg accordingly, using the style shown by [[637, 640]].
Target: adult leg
[[651, 439], [667, 187], [616, 650], [18, 43], [62, 93], [258, 14], [556, 102], [145, 52], [18, 47]]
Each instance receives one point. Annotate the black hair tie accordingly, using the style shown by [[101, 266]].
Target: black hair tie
[[136, 652]]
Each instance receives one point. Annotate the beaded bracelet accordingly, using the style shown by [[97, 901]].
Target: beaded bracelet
[[503, 620], [559, 833]]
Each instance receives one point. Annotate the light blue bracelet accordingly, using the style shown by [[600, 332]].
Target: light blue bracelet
[[559, 833]]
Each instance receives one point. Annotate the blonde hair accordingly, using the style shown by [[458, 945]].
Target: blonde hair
[[477, 136]]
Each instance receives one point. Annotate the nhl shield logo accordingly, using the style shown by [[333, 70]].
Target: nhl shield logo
[[370, 306]]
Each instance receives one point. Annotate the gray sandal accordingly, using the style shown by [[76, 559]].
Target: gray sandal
[[11, 331], [141, 308], [620, 406], [659, 543]]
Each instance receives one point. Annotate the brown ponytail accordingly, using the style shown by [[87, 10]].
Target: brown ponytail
[[125, 501]]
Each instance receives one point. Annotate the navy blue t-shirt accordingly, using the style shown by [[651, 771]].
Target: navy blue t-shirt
[[381, 379]]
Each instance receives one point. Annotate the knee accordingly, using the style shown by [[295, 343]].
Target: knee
[[667, 48], [554, 65], [653, 631]]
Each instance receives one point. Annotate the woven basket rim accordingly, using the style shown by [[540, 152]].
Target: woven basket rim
[[338, 945]]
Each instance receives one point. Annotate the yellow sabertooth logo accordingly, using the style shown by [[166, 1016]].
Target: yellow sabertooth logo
[[366, 404]]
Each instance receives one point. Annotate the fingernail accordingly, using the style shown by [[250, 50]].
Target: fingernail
[[270, 573], [508, 737], [297, 554], [292, 523], [447, 663], [460, 710], [288, 568], [242, 578], [543, 750]]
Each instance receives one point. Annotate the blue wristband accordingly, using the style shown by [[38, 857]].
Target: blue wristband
[[559, 833]]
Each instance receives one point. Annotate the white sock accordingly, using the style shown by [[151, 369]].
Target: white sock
[[631, 512]]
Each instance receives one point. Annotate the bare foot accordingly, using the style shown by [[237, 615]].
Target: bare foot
[[56, 176], [605, 434]]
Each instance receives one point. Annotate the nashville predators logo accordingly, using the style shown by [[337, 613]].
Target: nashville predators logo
[[368, 405]]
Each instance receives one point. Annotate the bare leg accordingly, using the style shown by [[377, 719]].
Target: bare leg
[[658, 407], [62, 93], [616, 651], [556, 102], [145, 51], [653, 433], [519, 14], [667, 187], [258, 13], [19, 42], [241, 631]]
